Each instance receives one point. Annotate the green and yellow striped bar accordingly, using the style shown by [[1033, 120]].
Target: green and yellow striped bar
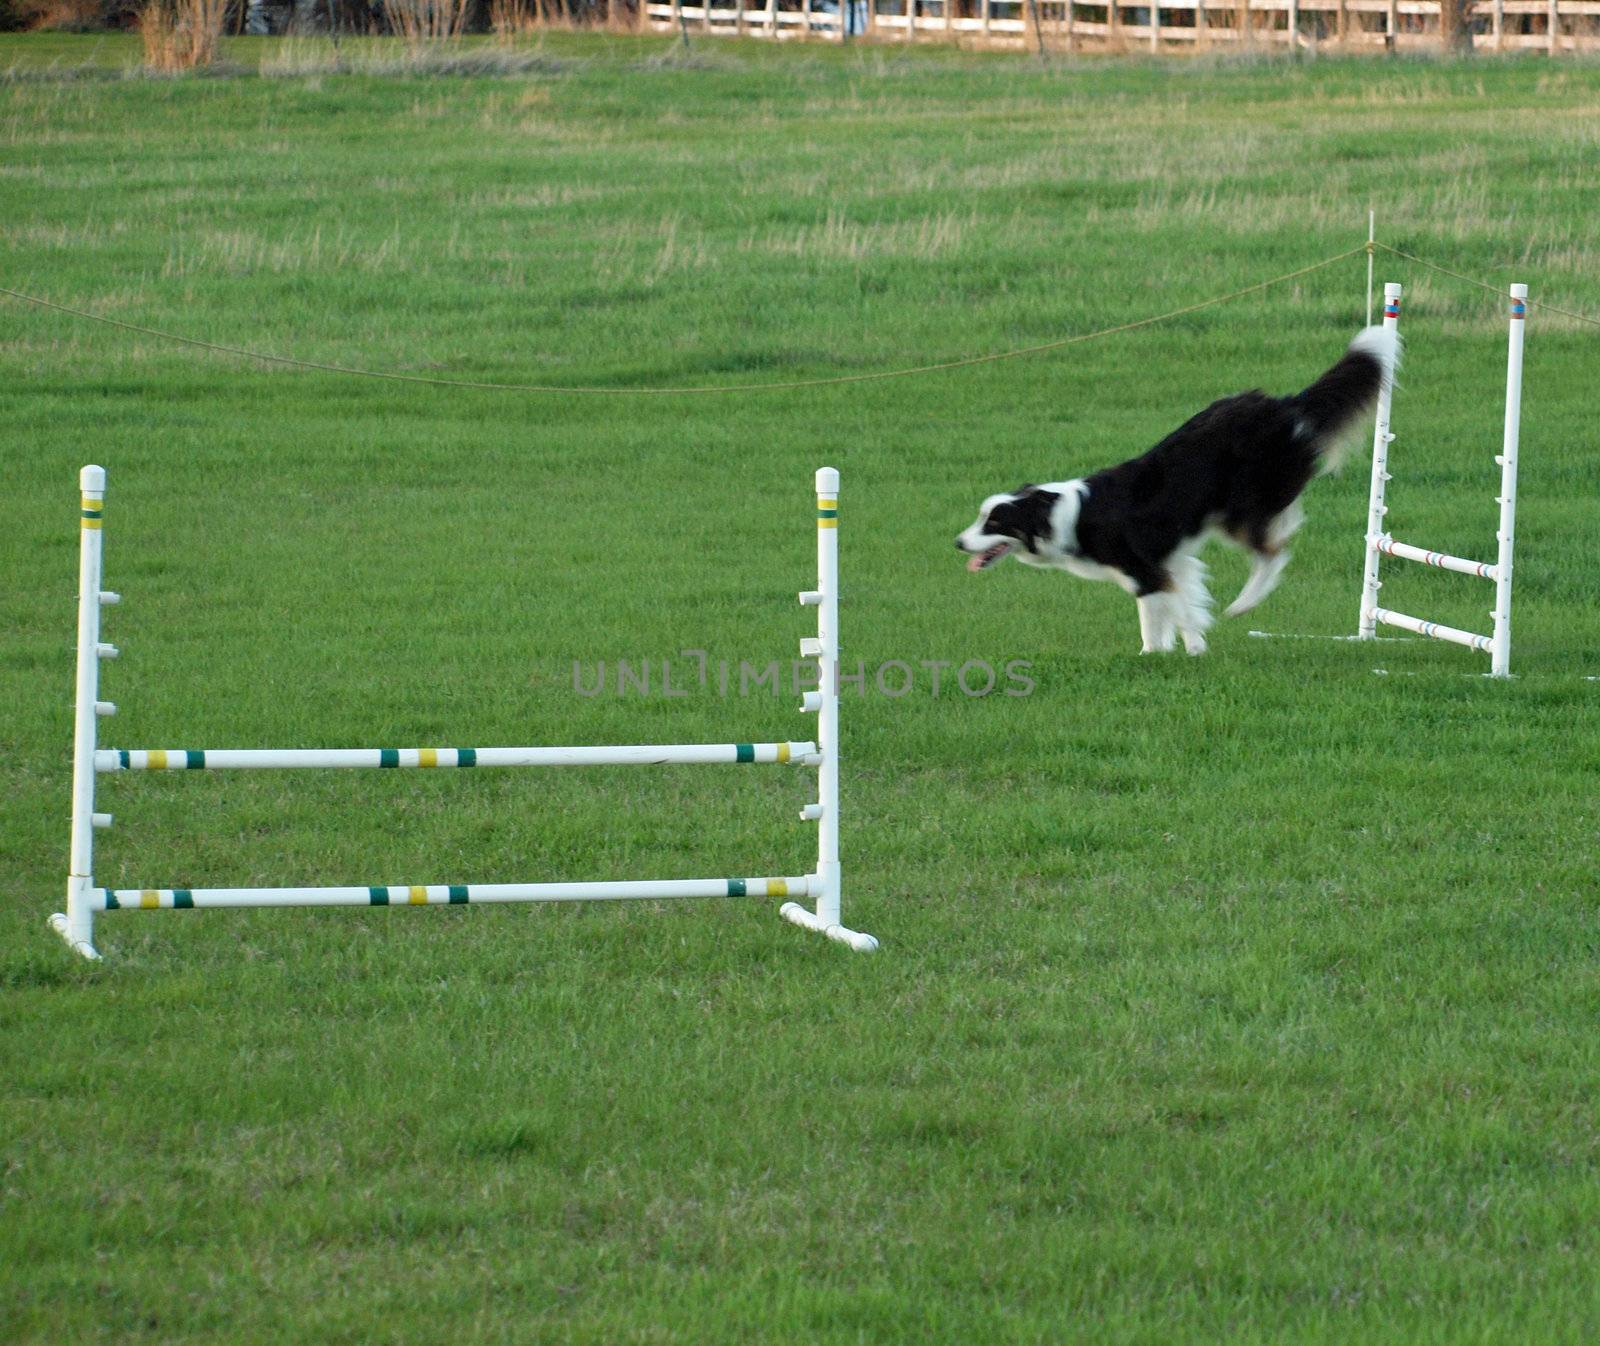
[[827, 511], [92, 510], [244, 759], [442, 895]]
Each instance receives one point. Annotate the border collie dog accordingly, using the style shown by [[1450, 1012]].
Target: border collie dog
[[1235, 471]]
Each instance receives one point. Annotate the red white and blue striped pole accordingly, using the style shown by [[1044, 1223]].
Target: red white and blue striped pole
[[1367, 629], [1500, 663]]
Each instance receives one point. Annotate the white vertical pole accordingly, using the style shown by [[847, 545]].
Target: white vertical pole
[[828, 672], [825, 702], [76, 926], [1501, 665], [1376, 509]]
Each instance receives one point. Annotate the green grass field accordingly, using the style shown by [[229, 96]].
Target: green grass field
[[1246, 999]]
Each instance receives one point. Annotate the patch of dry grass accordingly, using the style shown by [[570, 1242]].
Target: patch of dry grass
[[180, 34]]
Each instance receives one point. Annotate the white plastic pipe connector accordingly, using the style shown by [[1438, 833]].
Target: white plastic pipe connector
[[58, 922]]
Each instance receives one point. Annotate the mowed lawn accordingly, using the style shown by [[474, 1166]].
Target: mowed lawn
[[1245, 999]]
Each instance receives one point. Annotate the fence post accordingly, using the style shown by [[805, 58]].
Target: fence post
[[1501, 666], [1038, 25], [1367, 629]]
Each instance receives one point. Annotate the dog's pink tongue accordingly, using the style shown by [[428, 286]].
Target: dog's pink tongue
[[976, 563]]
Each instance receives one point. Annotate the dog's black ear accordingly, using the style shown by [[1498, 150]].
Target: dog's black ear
[[1030, 515], [1004, 519]]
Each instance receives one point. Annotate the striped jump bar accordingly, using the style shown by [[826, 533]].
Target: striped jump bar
[[224, 759], [1443, 560], [1437, 630], [440, 895]]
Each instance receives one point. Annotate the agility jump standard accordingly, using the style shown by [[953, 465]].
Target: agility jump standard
[[1380, 543], [85, 900]]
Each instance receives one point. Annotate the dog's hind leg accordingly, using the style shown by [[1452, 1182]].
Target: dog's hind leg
[[1270, 557], [1265, 568]]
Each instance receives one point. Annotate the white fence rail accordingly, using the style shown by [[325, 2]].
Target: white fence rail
[[1552, 26]]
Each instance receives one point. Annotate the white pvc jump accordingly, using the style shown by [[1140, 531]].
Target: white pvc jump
[[1379, 543], [442, 895], [256, 759], [84, 899]]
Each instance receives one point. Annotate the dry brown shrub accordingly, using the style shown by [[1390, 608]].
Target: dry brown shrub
[[425, 22], [70, 16], [511, 18], [181, 34]]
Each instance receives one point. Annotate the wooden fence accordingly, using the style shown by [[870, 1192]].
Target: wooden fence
[[1551, 26]]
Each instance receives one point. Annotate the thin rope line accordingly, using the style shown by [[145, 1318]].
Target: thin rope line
[[1493, 289], [939, 367]]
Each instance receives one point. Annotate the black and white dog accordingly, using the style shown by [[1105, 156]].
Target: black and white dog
[[1235, 471]]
